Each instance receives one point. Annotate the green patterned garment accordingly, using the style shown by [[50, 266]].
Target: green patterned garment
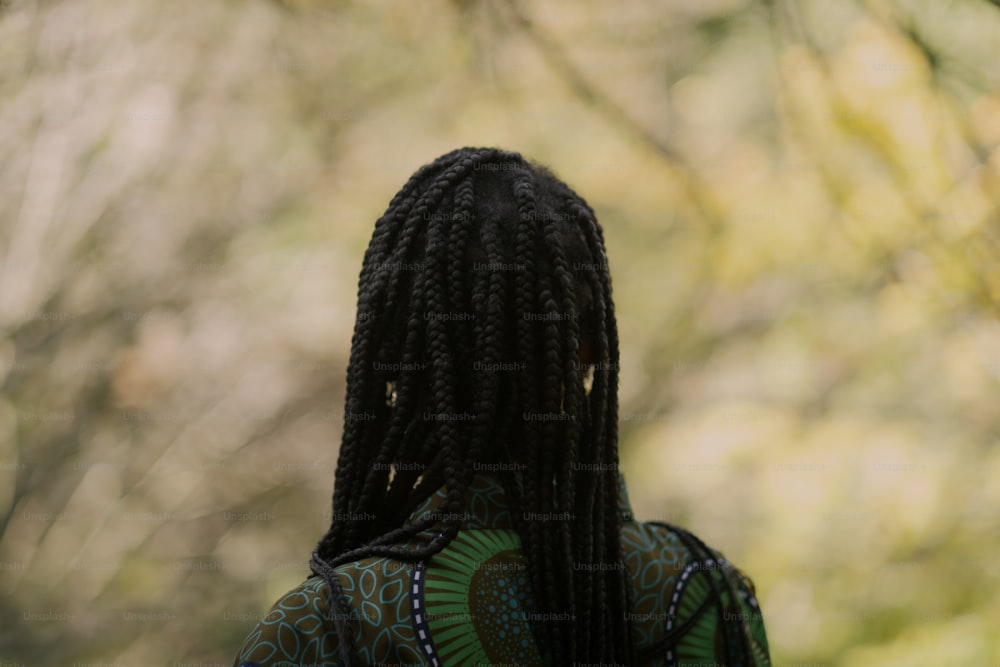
[[471, 603]]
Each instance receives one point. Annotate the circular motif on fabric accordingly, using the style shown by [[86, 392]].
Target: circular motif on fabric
[[705, 640], [691, 592], [477, 601]]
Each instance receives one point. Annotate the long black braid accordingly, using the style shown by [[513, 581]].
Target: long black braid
[[485, 261]]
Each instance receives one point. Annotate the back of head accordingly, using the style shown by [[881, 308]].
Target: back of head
[[485, 338]]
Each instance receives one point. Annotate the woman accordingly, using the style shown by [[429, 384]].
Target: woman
[[478, 514]]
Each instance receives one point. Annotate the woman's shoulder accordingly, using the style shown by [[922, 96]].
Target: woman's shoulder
[[294, 631], [689, 598], [299, 628]]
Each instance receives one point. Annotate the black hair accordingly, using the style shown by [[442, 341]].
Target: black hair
[[485, 261]]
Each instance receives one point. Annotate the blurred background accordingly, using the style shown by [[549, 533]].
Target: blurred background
[[801, 203]]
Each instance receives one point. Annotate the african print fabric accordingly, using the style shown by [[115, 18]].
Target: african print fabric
[[471, 603]]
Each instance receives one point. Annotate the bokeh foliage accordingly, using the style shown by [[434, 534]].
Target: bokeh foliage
[[801, 206]]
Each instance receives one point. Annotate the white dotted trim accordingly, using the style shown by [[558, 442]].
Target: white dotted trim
[[419, 620], [682, 582]]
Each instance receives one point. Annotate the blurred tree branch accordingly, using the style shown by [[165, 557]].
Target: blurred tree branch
[[555, 56]]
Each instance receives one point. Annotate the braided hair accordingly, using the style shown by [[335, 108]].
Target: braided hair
[[485, 261]]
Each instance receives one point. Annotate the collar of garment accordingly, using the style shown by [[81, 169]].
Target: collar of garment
[[486, 504]]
